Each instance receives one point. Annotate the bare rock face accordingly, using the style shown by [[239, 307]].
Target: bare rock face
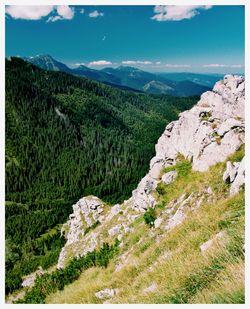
[[207, 134], [86, 212], [84, 235], [141, 197], [235, 175]]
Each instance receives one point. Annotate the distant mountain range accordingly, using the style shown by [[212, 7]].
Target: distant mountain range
[[134, 79]]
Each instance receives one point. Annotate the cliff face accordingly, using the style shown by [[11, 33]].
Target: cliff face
[[207, 134]]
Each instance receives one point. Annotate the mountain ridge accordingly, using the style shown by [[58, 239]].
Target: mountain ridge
[[126, 76]]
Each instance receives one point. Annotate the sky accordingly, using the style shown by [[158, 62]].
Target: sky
[[153, 38]]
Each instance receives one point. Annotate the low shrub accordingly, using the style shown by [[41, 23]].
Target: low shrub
[[150, 216], [49, 283]]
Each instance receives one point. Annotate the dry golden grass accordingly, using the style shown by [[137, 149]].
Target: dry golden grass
[[173, 261]]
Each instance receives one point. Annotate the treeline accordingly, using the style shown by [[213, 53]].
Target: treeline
[[67, 137]]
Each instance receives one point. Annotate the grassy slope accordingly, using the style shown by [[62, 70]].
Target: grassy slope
[[173, 261]]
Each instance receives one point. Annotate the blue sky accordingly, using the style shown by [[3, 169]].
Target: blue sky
[[161, 38]]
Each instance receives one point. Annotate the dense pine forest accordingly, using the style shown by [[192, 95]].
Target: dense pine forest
[[67, 137]]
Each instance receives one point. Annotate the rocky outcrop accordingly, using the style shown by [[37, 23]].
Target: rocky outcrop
[[84, 235], [235, 175], [29, 281], [86, 212], [207, 134]]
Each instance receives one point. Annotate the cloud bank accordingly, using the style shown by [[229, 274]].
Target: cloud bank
[[134, 62], [217, 65], [99, 63], [177, 12], [37, 12]]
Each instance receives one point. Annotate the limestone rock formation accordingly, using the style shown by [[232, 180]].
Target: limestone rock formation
[[235, 175], [207, 134]]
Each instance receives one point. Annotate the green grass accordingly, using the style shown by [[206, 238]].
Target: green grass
[[173, 260], [238, 155]]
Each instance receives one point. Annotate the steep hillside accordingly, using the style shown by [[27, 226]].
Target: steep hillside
[[180, 237], [67, 137]]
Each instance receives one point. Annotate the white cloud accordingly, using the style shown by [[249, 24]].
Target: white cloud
[[133, 62], [29, 12], [65, 11], [217, 65], [82, 11], [104, 38], [95, 14], [177, 12], [168, 65], [99, 63], [37, 12], [158, 62]]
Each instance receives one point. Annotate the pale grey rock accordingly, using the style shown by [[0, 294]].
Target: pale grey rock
[[106, 293], [231, 172], [126, 228], [169, 177], [141, 196], [29, 280], [239, 179], [195, 137], [115, 210], [179, 216], [208, 244], [235, 175], [157, 222], [115, 230], [150, 288], [86, 212], [132, 218], [119, 237], [209, 191], [228, 125]]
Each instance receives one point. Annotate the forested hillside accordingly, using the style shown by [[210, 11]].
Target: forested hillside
[[67, 137]]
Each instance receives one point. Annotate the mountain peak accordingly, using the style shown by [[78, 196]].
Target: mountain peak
[[47, 62], [128, 69]]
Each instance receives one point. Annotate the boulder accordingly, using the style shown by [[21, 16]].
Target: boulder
[[157, 222], [208, 244], [106, 293], [231, 172], [239, 179], [169, 177]]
